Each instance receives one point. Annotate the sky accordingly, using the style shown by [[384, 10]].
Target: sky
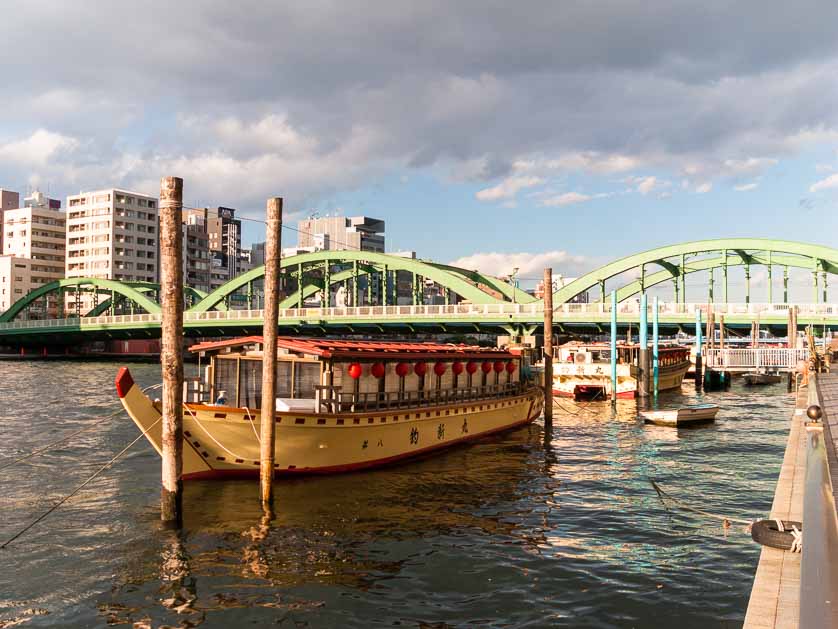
[[489, 134]]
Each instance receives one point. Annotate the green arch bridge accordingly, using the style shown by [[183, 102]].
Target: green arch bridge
[[366, 293]]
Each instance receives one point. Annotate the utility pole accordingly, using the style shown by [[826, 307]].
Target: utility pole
[[171, 348], [269, 334]]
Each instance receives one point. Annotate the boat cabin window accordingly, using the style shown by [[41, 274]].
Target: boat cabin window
[[241, 380]]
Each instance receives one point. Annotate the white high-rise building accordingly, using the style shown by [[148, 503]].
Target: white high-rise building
[[111, 234], [33, 243]]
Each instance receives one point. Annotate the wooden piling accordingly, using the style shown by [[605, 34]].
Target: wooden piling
[[548, 346], [721, 331], [269, 334], [171, 348]]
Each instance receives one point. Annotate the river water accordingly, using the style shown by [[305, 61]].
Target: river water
[[515, 531]]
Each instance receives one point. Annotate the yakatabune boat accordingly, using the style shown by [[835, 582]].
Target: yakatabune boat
[[583, 370], [341, 405]]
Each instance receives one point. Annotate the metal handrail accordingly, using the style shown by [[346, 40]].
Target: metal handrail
[[819, 564]]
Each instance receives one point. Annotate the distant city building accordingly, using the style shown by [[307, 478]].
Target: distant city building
[[341, 233], [196, 257], [111, 234], [15, 280], [38, 199], [257, 254], [8, 201], [224, 241], [35, 233]]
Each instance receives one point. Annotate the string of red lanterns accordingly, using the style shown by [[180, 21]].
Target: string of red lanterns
[[402, 369]]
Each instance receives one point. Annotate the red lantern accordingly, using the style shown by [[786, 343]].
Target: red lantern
[[498, 366], [486, 367], [377, 370], [421, 369], [402, 369], [439, 368], [355, 371], [471, 367], [457, 368], [510, 367]]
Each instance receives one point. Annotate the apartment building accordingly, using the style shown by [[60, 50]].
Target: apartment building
[[196, 257], [341, 233], [34, 240], [9, 200], [112, 234]]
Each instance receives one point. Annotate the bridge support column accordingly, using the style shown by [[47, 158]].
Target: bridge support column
[[724, 276], [355, 287], [327, 289], [683, 277], [655, 336], [710, 287], [770, 281], [825, 295], [815, 282], [384, 288], [614, 348], [299, 286]]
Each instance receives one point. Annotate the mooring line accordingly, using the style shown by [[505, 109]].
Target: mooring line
[[661, 494], [79, 488], [49, 446]]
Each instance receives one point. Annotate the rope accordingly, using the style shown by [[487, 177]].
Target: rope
[[724, 518], [49, 446], [253, 425], [77, 489], [218, 443]]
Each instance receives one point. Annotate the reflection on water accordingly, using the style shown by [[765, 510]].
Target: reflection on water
[[533, 528]]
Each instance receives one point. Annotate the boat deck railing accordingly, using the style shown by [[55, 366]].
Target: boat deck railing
[[333, 400]]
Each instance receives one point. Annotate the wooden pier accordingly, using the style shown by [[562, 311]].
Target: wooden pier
[[775, 596]]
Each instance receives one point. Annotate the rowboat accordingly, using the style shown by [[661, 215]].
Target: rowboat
[[583, 370], [341, 405], [756, 378], [684, 416]]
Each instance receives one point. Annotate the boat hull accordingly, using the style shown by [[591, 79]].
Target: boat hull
[[598, 385], [681, 417], [223, 442], [753, 379]]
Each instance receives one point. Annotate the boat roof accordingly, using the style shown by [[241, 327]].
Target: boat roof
[[371, 350]]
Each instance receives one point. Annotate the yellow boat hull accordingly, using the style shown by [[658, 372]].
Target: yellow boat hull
[[224, 441]]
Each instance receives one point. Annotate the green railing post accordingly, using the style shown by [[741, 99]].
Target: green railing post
[[614, 347], [655, 338]]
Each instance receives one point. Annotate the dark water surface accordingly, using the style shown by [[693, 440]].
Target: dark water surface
[[515, 531]]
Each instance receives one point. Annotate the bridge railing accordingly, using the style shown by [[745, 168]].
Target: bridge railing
[[755, 358], [530, 312]]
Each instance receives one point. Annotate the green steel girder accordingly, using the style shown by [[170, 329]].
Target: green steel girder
[[495, 283], [444, 278], [96, 283], [314, 287], [825, 257]]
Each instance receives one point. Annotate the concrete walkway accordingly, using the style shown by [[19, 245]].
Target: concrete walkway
[[775, 597]]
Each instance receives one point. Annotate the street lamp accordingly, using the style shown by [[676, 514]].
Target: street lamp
[[513, 282]]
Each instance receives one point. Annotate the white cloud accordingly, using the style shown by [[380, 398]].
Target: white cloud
[[745, 187], [508, 188], [825, 184], [824, 168], [704, 188], [37, 149], [750, 166], [568, 198], [530, 265]]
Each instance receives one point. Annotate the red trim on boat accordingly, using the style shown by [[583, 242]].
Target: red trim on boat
[[352, 467], [123, 382]]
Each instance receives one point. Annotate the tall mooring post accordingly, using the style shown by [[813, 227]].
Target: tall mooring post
[[269, 333], [791, 328], [643, 379], [614, 347], [548, 346], [171, 348], [699, 374], [655, 338]]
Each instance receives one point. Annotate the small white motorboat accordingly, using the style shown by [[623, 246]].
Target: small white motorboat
[[684, 416], [760, 377]]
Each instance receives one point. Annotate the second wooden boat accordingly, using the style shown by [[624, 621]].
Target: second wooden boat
[[756, 378], [684, 416]]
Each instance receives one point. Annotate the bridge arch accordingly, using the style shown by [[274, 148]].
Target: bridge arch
[[469, 285], [675, 262], [135, 294]]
